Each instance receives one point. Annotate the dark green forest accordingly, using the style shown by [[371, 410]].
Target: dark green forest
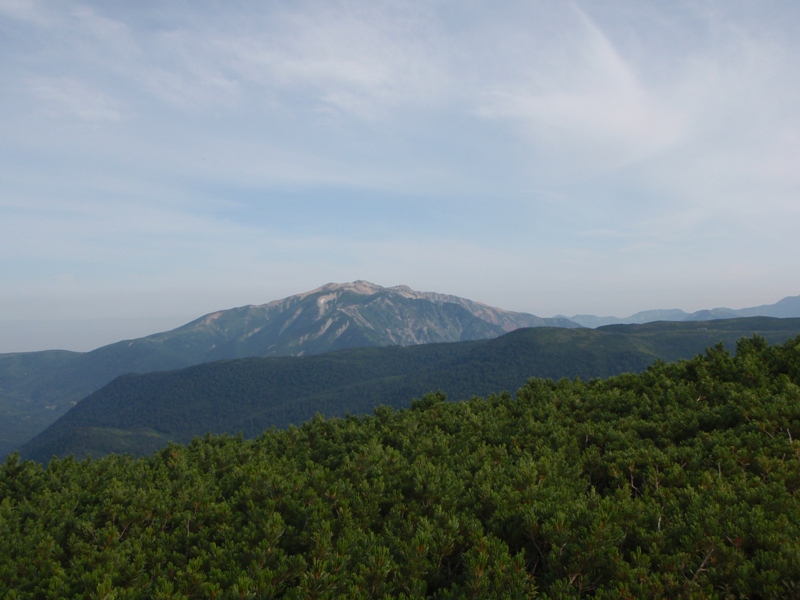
[[678, 482]]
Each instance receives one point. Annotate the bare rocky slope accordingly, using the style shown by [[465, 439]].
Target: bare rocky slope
[[347, 315]]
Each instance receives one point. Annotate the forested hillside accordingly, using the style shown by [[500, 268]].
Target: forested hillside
[[680, 482], [141, 413]]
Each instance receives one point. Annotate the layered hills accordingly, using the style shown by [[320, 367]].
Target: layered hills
[[787, 308], [36, 388], [139, 413]]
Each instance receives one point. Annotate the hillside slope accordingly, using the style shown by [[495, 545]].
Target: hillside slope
[[139, 413]]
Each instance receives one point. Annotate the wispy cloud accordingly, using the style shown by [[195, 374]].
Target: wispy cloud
[[64, 96], [586, 103], [564, 154]]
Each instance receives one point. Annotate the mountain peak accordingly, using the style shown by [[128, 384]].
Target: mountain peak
[[346, 315], [359, 286]]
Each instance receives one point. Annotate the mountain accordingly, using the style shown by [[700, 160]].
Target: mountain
[[645, 316], [139, 413], [338, 316], [38, 387], [789, 307], [713, 314]]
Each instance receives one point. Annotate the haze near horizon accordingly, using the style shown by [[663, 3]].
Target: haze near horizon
[[159, 162]]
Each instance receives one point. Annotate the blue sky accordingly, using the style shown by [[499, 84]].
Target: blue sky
[[159, 161]]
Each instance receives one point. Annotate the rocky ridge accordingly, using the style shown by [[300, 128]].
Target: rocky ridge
[[346, 315]]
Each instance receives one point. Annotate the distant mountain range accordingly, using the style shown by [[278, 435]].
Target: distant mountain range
[[787, 308], [140, 413], [38, 387]]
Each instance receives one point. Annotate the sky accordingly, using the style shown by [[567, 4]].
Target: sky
[[163, 160]]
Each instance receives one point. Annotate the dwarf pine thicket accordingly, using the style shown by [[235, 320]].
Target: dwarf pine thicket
[[681, 481]]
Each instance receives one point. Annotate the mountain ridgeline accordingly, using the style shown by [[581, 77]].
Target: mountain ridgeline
[[339, 316], [786, 308], [140, 413], [36, 388]]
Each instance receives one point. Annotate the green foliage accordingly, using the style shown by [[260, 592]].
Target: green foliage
[[680, 482]]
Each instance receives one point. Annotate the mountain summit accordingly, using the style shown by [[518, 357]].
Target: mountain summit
[[344, 315]]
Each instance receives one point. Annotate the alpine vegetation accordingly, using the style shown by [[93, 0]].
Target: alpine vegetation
[[680, 482]]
